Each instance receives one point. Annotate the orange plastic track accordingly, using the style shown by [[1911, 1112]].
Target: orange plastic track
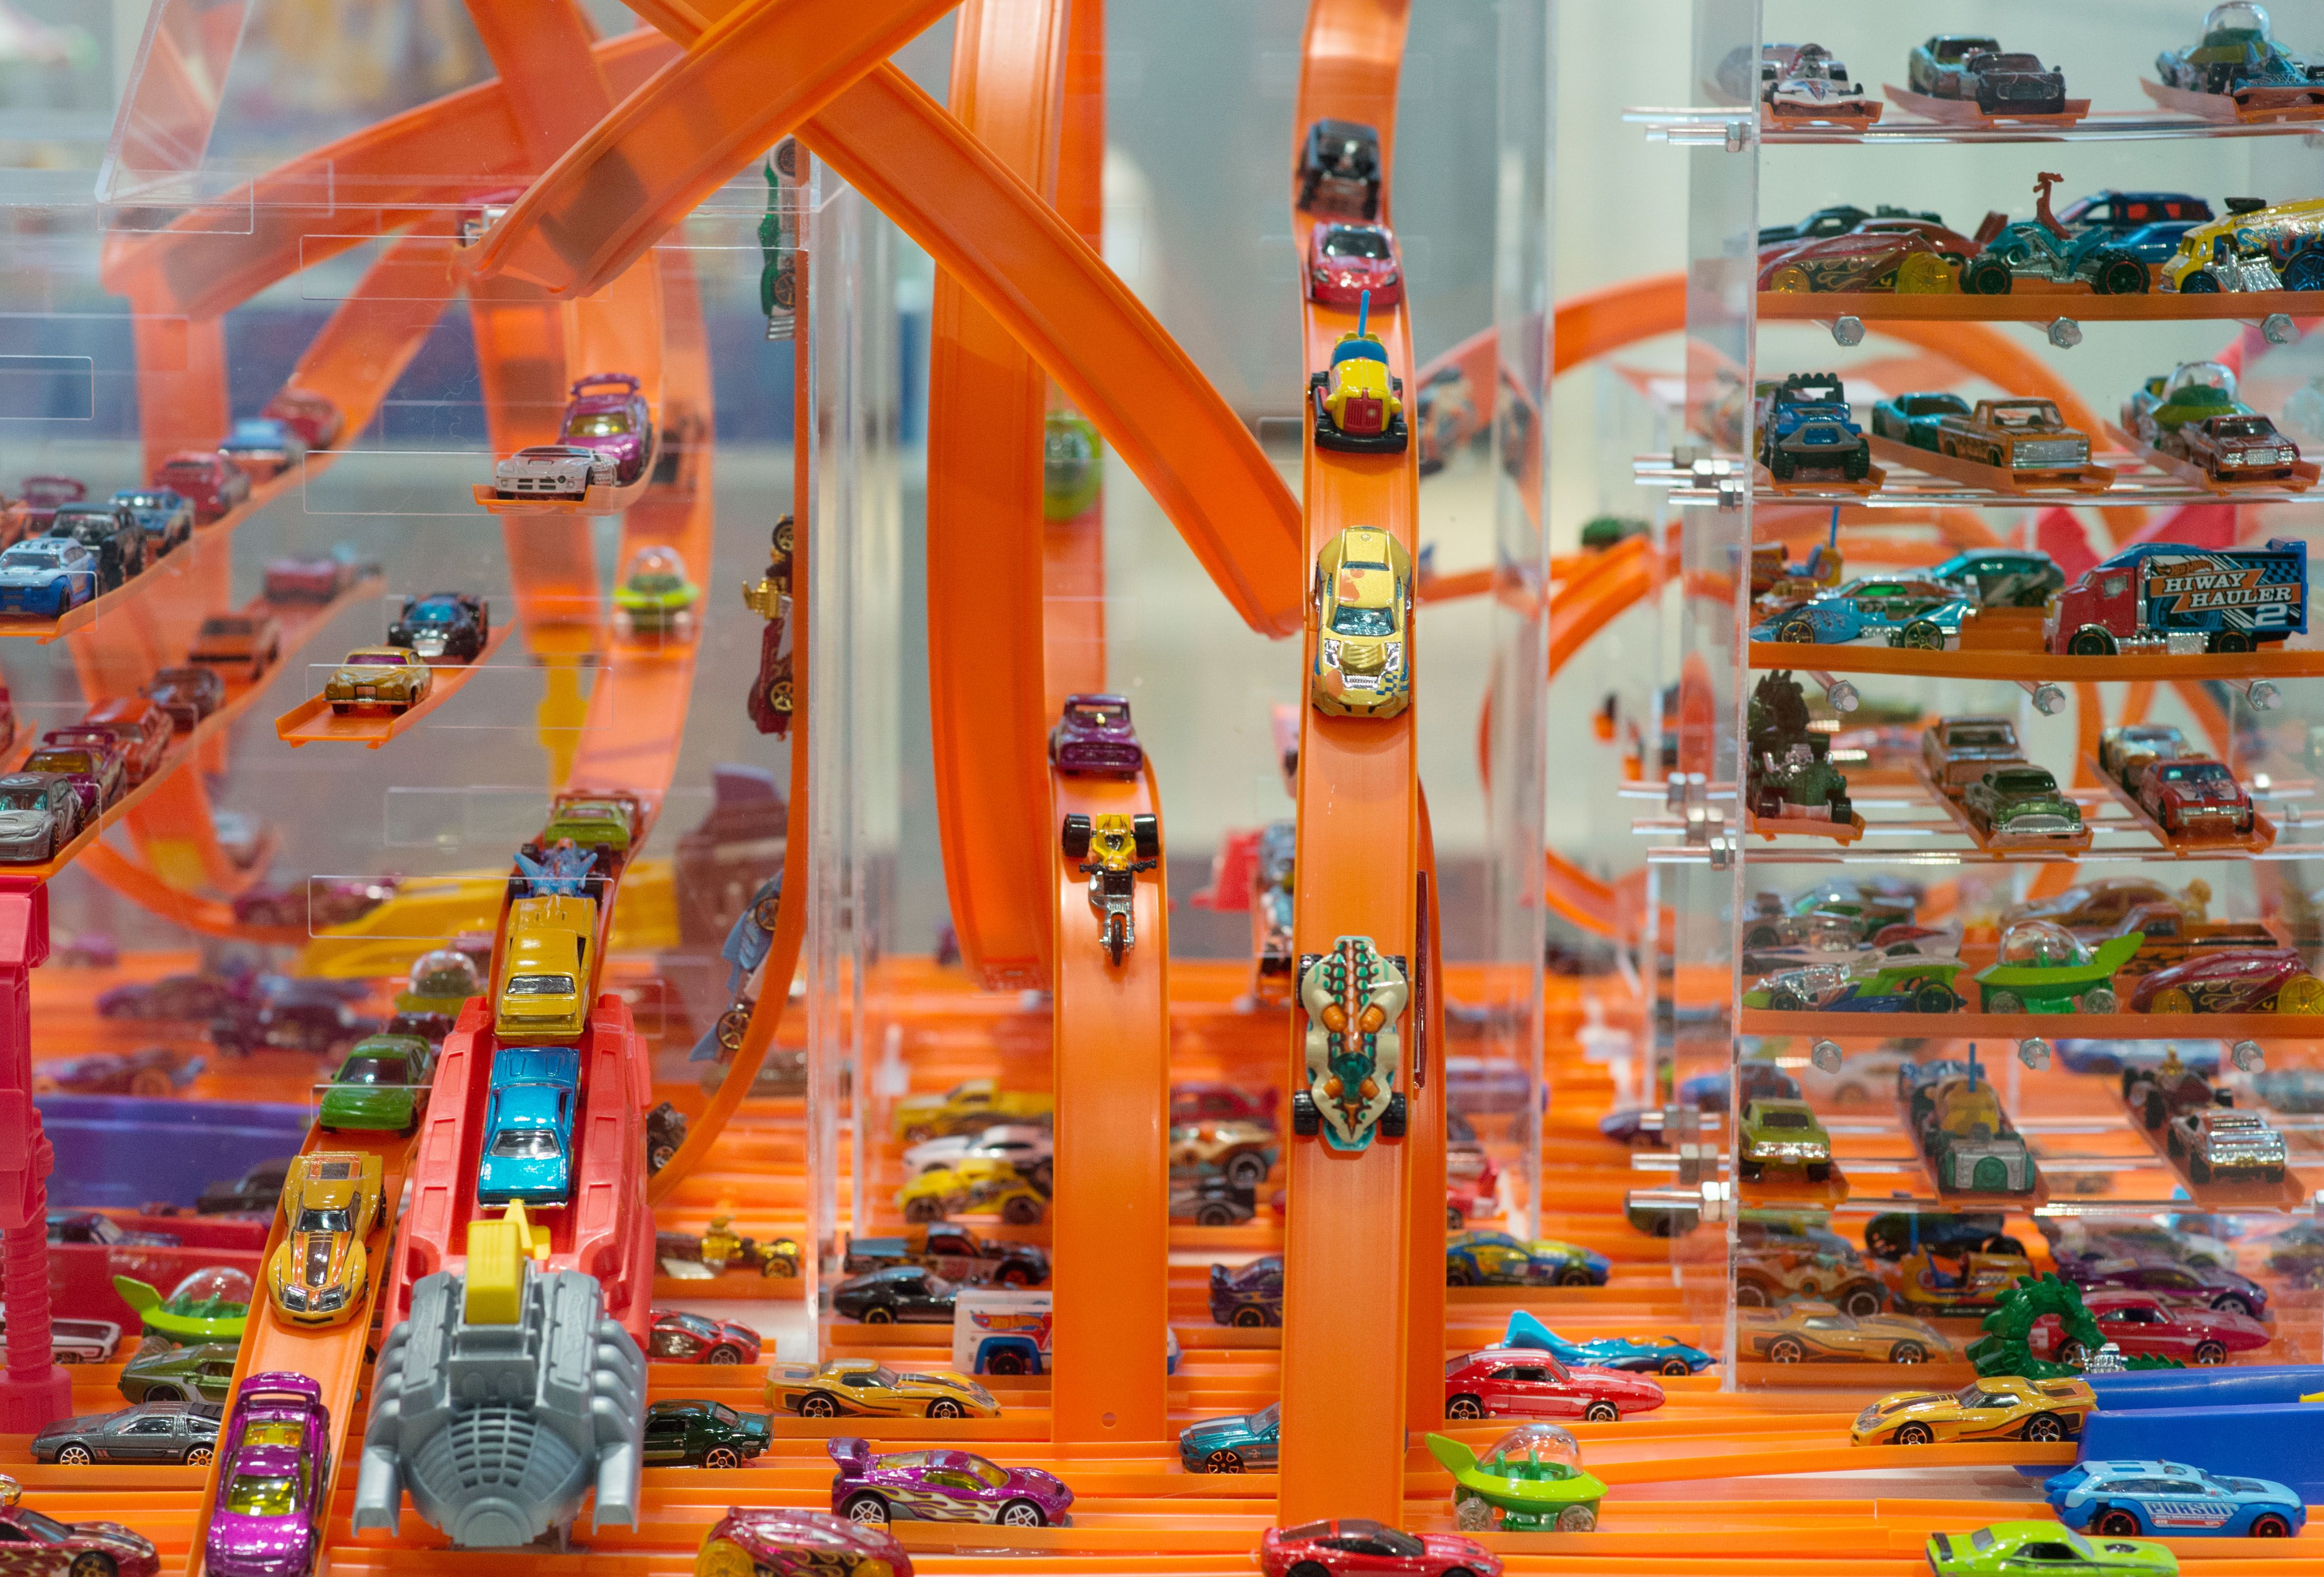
[[312, 721], [1343, 1443], [1111, 1212], [1073, 573], [1423, 1310], [988, 698]]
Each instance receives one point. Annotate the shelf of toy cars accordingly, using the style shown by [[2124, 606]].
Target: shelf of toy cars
[[1765, 485], [2290, 1194], [1988, 842], [1734, 127], [2008, 667], [2221, 109], [1961, 111], [1719, 481], [312, 721], [599, 499], [2019, 1026], [2304, 473], [1842, 832], [2035, 301], [2258, 840], [2068, 485]]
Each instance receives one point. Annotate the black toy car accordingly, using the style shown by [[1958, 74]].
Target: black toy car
[[690, 1433], [431, 1027], [111, 531], [1837, 221], [301, 1019], [1208, 1200], [150, 1431], [1251, 1296], [665, 1132], [1976, 69], [258, 1191], [1894, 1234], [90, 1226], [899, 1293], [1346, 153], [449, 626]]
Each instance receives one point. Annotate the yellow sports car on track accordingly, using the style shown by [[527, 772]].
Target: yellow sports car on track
[[393, 679], [850, 1387], [1809, 1333], [331, 1199], [1363, 607], [974, 1185], [969, 1107], [1992, 1408]]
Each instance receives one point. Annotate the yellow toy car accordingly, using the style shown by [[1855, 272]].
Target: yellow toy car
[[2002, 1407], [1363, 607], [1812, 1333], [2281, 247], [1359, 404], [969, 1107], [544, 989], [1110, 850], [392, 679], [855, 1386], [974, 1185], [331, 1199]]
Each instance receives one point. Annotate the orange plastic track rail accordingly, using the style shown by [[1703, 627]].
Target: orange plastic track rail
[[1343, 1447]]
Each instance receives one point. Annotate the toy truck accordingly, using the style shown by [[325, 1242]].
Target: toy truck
[[1008, 1333], [2169, 596], [2169, 936], [954, 1253]]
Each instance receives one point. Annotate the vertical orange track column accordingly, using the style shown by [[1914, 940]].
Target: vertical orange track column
[[986, 395], [1424, 1307], [1344, 1256], [1072, 557]]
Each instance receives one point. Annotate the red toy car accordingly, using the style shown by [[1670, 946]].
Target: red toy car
[[318, 579], [2140, 1322], [187, 694], [1207, 1100], [1356, 1544], [2236, 448], [1524, 1382], [1880, 254], [315, 419], [213, 483], [39, 505], [144, 728], [679, 1337], [2232, 980], [1344, 261], [2194, 795]]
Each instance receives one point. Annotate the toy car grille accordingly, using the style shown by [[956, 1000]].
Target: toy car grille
[[2052, 451]]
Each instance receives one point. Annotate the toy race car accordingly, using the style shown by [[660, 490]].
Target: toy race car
[[1354, 996], [1111, 850], [1341, 162]]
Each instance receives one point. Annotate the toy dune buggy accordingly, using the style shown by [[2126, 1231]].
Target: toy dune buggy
[[1113, 851]]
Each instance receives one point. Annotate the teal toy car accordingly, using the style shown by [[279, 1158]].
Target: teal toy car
[[2011, 1547], [381, 1088], [2044, 968], [1532, 1476], [1236, 1443], [2020, 803]]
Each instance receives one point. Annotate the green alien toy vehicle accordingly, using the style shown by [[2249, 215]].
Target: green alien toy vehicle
[[657, 598], [1072, 470], [1533, 1476], [212, 1305], [2044, 969], [442, 981]]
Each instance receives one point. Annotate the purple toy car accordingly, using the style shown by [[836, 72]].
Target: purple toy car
[[2210, 1285], [276, 1473], [940, 1486], [607, 440], [1094, 737]]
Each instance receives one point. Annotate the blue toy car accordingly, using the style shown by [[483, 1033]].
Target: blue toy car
[[1233, 1444], [1899, 612], [528, 1150], [1666, 1355], [1496, 1259], [2115, 1056], [2002, 577], [2151, 244], [2120, 213], [164, 514], [1806, 430], [47, 575], [1913, 418], [2131, 1499], [1251, 1296]]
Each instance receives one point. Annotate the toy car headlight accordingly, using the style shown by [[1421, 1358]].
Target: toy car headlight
[[334, 1297], [294, 1297]]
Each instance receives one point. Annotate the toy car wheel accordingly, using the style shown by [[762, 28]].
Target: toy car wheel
[[1465, 1406], [1309, 1569], [1933, 999], [1005, 1363], [195, 1457], [1921, 635], [1117, 937], [1762, 935], [2073, 1353], [866, 1508], [2300, 994], [2208, 1353], [2117, 1522], [732, 1025], [721, 1456], [1908, 1352], [2201, 282], [1987, 276], [1752, 1170], [1248, 1318], [1146, 834], [878, 1315], [1016, 1276], [1602, 1413], [1783, 999], [1223, 1460], [1453, 1219], [658, 1158], [1677, 1366], [2268, 1525], [1249, 1170], [1306, 1121], [1577, 1519], [945, 1408], [1785, 1350], [1474, 1514], [2230, 641], [723, 1354], [92, 1563], [2305, 272], [2043, 1427], [2120, 276], [1023, 1513], [1783, 466], [1574, 1275], [2170, 999], [1393, 1120], [74, 1455], [2198, 1171], [1912, 1435], [1926, 275], [2098, 1000], [1750, 1296], [150, 1082], [1791, 279], [1458, 1273], [1214, 1213], [2004, 1002], [340, 708], [1863, 1302], [1798, 631], [1021, 1212], [1076, 837]]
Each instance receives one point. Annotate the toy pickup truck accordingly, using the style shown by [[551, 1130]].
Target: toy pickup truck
[[2168, 936], [2168, 597], [954, 1253], [2026, 438]]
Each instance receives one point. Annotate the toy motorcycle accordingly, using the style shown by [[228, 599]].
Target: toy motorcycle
[[1354, 996], [1113, 851]]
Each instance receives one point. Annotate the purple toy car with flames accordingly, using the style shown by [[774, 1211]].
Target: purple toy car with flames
[[275, 1477], [1093, 737], [940, 1486], [607, 440]]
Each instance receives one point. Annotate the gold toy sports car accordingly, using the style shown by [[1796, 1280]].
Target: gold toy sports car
[[1808, 1332], [331, 1199], [969, 1107], [1243, 1152], [849, 1386], [1992, 1408], [1363, 607], [387, 678], [974, 1185]]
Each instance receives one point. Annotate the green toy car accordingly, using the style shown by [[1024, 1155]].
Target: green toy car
[[656, 597], [1783, 1134], [2022, 804], [694, 1433], [211, 1304], [381, 1087], [1072, 470], [182, 1374], [2044, 969], [1533, 1476], [2193, 391], [2010, 1547]]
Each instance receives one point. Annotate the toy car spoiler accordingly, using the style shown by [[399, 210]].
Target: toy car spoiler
[[1455, 1456], [1525, 1331], [626, 382], [851, 1452]]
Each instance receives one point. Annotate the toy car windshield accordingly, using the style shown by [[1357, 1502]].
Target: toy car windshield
[[1784, 1119], [2201, 374], [338, 1219], [2033, 413], [2238, 22], [526, 1145], [2243, 427], [2196, 772], [253, 1494], [598, 425], [1981, 739], [221, 1283], [288, 1432], [1537, 1451], [1363, 621], [1993, 62], [1349, 242], [38, 555], [540, 986], [2040, 943], [374, 1070]]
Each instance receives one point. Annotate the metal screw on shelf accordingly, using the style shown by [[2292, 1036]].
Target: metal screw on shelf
[[2065, 333], [1731, 493], [2263, 695], [1826, 1056], [1848, 329], [2248, 1056], [2048, 699], [2277, 329], [2034, 1053], [1839, 692], [1739, 135]]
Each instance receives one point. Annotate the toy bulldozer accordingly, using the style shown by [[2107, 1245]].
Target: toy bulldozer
[[1113, 851]]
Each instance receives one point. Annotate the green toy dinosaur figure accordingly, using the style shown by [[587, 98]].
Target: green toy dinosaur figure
[[2005, 1347]]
